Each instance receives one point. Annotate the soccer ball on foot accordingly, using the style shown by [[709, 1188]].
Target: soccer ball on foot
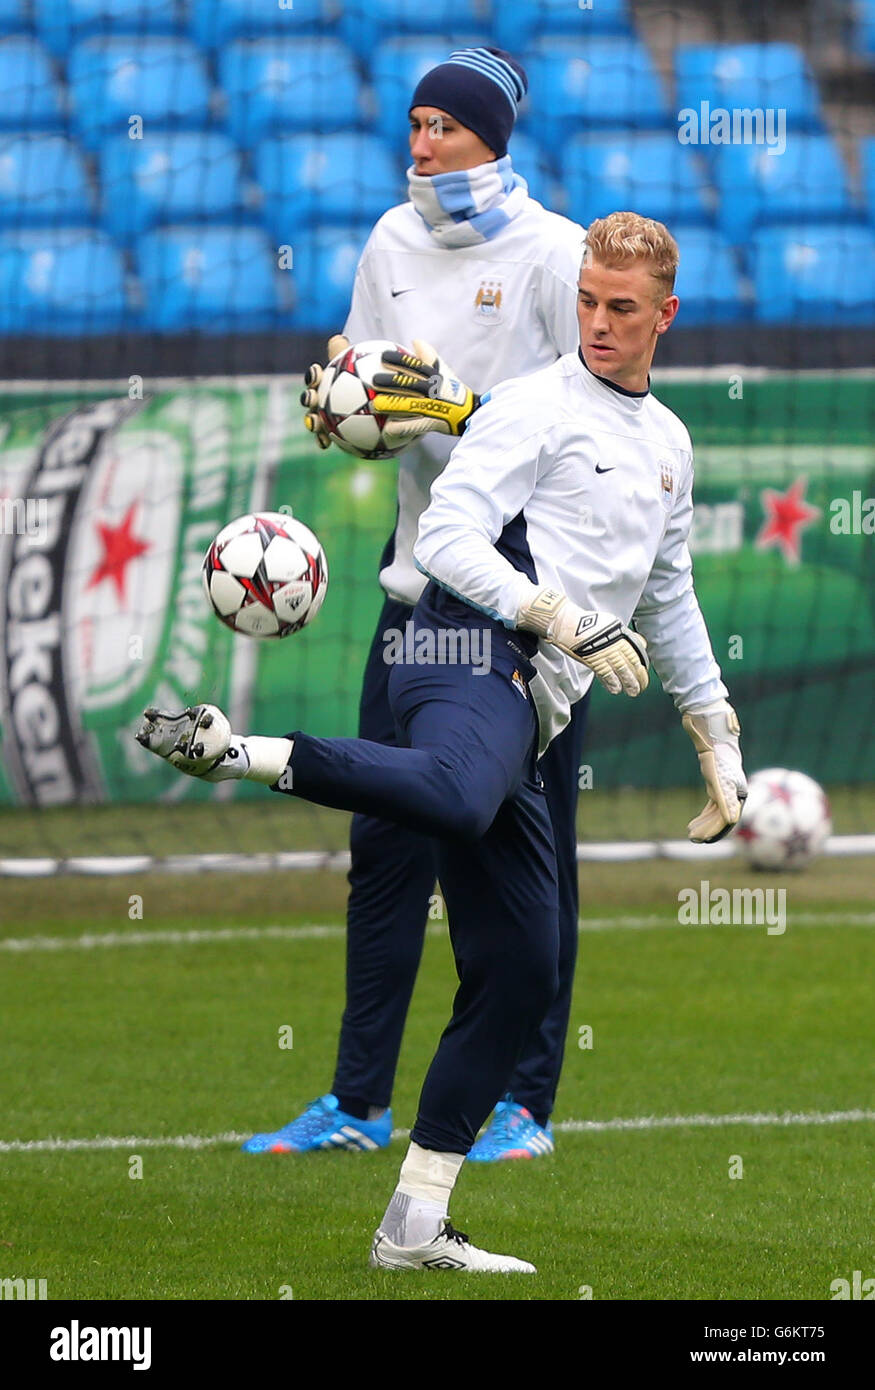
[[265, 575], [785, 822], [345, 394]]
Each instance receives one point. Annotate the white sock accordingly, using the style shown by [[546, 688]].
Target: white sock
[[267, 758], [412, 1221], [420, 1202]]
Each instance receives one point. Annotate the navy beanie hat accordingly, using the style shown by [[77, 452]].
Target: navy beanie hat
[[482, 88]]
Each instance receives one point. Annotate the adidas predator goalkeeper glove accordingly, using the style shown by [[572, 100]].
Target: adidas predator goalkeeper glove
[[420, 392], [616, 654], [310, 396], [715, 730]]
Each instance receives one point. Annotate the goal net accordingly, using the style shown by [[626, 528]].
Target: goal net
[[185, 189]]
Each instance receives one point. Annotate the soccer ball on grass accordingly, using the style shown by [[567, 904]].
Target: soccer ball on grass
[[785, 822]]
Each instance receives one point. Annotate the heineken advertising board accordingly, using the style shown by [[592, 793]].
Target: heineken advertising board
[[107, 505]]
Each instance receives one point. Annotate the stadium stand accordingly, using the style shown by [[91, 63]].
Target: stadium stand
[[261, 119]]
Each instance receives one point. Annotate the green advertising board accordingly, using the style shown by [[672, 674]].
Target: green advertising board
[[103, 610]]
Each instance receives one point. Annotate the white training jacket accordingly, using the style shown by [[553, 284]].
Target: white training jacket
[[597, 484], [496, 310]]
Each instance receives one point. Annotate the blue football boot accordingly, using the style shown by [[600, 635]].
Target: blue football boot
[[513, 1133], [324, 1126]]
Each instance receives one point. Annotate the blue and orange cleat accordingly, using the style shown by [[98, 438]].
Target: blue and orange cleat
[[323, 1126], [513, 1133]]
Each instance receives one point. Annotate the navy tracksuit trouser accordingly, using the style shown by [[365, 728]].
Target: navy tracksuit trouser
[[391, 882], [466, 772]]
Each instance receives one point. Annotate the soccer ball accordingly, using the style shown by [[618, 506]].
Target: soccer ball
[[345, 394], [265, 575], [785, 821]]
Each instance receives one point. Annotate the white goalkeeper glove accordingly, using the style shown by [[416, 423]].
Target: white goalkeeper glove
[[616, 654], [420, 392], [310, 396], [715, 730]]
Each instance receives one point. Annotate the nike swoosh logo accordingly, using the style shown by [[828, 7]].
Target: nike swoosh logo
[[599, 469], [395, 293]]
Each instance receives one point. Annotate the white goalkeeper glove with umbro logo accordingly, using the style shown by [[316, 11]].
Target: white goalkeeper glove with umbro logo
[[616, 654]]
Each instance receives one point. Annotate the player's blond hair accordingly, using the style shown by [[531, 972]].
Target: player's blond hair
[[622, 237]]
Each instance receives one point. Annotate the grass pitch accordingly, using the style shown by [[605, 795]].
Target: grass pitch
[[136, 1038]]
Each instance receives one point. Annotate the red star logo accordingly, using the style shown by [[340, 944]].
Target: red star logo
[[119, 547], [787, 515]]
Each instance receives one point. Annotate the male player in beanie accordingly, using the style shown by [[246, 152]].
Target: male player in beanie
[[474, 264]]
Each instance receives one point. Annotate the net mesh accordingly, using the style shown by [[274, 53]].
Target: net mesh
[[185, 189]]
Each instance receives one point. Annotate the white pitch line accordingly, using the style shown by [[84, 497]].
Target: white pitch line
[[91, 941], [633, 1123], [315, 931], [789, 1117]]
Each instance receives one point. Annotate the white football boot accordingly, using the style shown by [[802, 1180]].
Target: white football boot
[[449, 1250], [198, 741]]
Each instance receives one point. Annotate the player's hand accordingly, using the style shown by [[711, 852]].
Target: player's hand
[[714, 731], [616, 654], [194, 741], [310, 395], [420, 392]]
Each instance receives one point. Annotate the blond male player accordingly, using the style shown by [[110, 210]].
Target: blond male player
[[562, 516]]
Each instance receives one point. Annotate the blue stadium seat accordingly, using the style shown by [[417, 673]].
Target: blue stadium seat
[[365, 23], [647, 173], [748, 76], [43, 182], [61, 282], [396, 69], [530, 160], [163, 80], [216, 22], [13, 16], [865, 25], [324, 272], [287, 85], [317, 179], [214, 279], [574, 86], [170, 177], [812, 275], [709, 284], [31, 98], [61, 23], [867, 160], [515, 23], [807, 181]]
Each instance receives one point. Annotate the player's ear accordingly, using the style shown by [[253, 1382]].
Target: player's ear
[[666, 313]]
